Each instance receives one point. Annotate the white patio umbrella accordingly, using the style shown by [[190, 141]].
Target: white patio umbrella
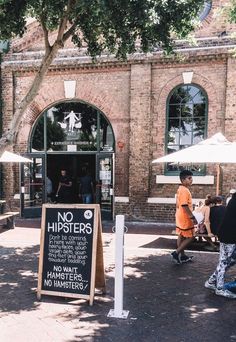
[[9, 157], [217, 150]]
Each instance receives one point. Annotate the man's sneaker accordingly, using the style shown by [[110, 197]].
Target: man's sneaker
[[210, 285], [175, 258], [231, 286], [186, 258], [225, 293]]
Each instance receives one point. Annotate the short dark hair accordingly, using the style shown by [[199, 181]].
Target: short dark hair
[[217, 199], [208, 201], [184, 174]]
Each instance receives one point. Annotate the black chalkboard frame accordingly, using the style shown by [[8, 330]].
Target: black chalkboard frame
[[97, 230]]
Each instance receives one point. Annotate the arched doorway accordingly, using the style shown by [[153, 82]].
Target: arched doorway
[[70, 135]]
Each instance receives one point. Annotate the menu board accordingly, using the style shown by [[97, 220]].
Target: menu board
[[68, 251]]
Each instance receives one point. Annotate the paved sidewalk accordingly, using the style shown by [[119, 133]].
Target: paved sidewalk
[[166, 302]]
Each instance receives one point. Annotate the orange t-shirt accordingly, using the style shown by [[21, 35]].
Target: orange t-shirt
[[183, 197]]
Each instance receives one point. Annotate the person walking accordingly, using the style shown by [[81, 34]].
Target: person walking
[[231, 192], [185, 219], [227, 238], [49, 189], [86, 187], [63, 193], [217, 213]]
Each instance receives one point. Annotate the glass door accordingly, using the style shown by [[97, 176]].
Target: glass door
[[104, 184], [32, 190]]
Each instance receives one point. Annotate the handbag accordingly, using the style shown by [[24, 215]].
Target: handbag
[[198, 216], [201, 228]]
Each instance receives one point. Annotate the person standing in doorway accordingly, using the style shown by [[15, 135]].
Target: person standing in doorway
[[185, 219], [63, 194], [86, 187], [49, 189]]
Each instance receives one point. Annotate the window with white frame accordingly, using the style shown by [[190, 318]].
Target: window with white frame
[[186, 123]]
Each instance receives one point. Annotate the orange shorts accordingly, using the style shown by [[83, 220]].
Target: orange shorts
[[188, 233]]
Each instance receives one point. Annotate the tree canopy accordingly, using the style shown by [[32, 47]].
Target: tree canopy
[[232, 11], [119, 27], [104, 24]]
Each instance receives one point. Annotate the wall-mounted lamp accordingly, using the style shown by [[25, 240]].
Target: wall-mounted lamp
[[120, 145]]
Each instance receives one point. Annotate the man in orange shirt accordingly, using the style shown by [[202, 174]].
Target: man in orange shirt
[[185, 220]]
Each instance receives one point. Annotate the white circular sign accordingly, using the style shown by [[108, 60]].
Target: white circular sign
[[88, 214]]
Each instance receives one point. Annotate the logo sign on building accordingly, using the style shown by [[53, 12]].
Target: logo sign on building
[[71, 255]]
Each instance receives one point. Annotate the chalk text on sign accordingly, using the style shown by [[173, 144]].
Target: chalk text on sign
[[66, 225]]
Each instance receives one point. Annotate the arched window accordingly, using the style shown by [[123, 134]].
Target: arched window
[[206, 8], [186, 122], [72, 127]]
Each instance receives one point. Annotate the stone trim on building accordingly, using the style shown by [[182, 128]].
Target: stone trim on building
[[133, 95]]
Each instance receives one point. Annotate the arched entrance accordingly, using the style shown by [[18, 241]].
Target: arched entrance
[[75, 136]]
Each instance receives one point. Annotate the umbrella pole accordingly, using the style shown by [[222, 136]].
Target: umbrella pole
[[218, 179]]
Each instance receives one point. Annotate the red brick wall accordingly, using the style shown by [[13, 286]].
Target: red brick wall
[[133, 97], [147, 212], [210, 75]]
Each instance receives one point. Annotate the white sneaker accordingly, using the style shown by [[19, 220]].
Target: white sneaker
[[211, 286], [225, 293]]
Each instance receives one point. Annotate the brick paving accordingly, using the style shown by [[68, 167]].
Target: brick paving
[[166, 302]]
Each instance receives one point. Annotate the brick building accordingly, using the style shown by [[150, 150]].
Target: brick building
[[115, 117]]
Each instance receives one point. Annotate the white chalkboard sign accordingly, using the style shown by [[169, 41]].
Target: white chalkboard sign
[[71, 256]]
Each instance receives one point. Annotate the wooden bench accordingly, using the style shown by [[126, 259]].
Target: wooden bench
[[2, 203], [10, 219], [200, 236]]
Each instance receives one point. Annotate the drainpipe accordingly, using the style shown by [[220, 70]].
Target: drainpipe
[[0, 121], [4, 48]]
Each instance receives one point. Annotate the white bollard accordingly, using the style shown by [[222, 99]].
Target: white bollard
[[118, 311]]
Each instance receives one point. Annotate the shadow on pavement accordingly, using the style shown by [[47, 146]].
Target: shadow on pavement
[[18, 278], [169, 242], [165, 302]]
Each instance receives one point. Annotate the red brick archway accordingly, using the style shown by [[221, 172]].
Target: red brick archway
[[103, 103]]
